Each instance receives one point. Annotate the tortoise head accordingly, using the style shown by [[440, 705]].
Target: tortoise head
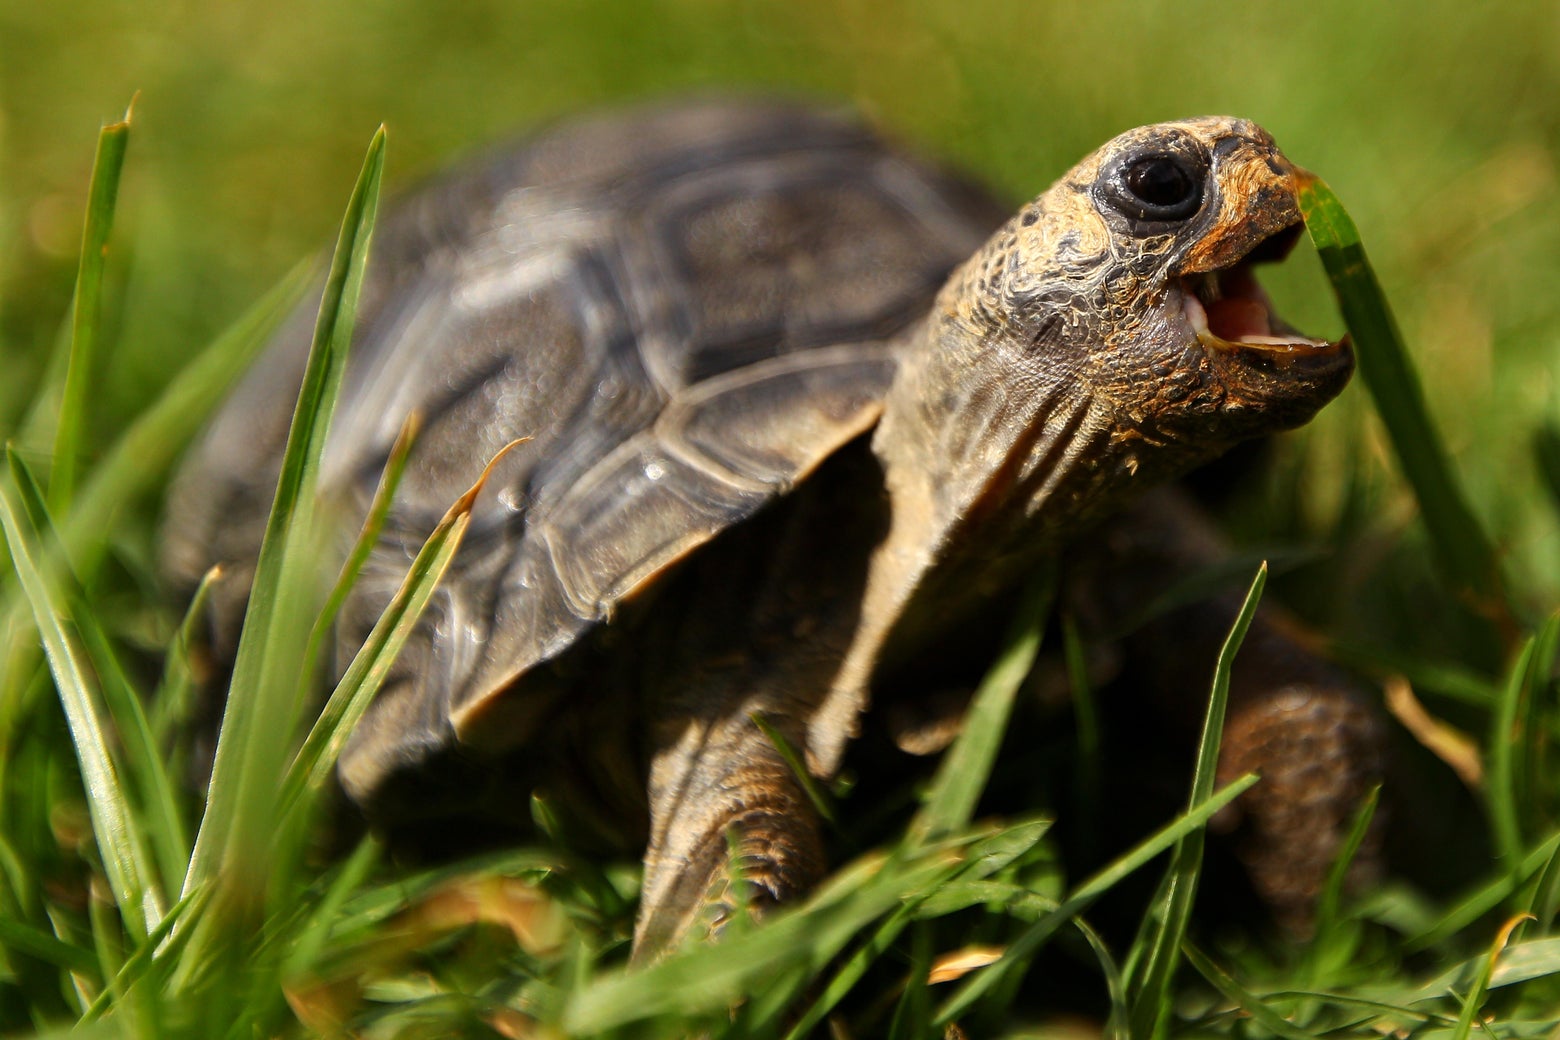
[[1167, 223], [1113, 331]]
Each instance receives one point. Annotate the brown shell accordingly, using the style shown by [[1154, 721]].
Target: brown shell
[[685, 308]]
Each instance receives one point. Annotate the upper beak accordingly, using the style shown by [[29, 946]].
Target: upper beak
[[1258, 199]]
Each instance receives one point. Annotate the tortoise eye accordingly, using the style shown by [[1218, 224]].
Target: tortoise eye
[[1163, 187]]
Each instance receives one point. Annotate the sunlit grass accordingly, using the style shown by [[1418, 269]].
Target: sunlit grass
[[114, 914]]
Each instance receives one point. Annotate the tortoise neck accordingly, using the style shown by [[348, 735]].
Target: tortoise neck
[[985, 473], [986, 452]]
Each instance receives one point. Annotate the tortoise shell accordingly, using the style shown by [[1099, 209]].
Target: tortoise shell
[[685, 309]]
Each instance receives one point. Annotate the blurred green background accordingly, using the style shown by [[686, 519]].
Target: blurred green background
[[1437, 122]]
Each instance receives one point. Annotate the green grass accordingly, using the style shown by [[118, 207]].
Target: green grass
[[1421, 520]]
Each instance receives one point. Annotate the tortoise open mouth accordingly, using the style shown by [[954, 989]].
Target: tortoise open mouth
[[1229, 311]]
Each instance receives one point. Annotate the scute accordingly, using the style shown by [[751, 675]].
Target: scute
[[686, 308], [793, 252], [771, 422]]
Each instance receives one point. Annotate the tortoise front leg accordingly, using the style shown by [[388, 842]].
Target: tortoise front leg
[[730, 829]]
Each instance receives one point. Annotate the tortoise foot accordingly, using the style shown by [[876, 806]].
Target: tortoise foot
[[728, 837], [1319, 751]]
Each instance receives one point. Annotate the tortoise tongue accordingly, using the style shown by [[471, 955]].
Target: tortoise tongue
[[1234, 318]]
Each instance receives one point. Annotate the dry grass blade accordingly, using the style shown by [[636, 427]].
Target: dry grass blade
[[1458, 750], [364, 676], [1481, 983], [101, 199]]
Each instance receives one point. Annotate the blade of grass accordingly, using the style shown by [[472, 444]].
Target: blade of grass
[[107, 940], [1544, 893], [136, 461], [1546, 456], [236, 828], [173, 702], [1260, 1012], [961, 776], [37, 423], [160, 946], [368, 537], [987, 857], [118, 832], [1331, 898], [819, 798], [1330, 935], [1372, 1010], [708, 978], [1427, 677], [1115, 985], [1089, 774], [913, 1010], [1463, 549], [311, 767], [1530, 774], [21, 937], [1150, 988], [157, 795], [101, 198], [1084, 896], [309, 939], [143, 765], [1484, 899], [1500, 774], [1520, 962], [141, 455]]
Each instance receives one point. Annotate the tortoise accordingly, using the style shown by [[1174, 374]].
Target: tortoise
[[804, 409]]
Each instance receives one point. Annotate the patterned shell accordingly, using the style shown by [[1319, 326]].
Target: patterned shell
[[685, 308]]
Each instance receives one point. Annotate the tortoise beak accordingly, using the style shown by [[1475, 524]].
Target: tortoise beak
[[1258, 199], [1260, 357]]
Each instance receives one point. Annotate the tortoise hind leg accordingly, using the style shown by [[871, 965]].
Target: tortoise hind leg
[[730, 828]]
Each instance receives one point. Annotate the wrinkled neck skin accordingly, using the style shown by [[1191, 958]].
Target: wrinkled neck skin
[[1005, 432]]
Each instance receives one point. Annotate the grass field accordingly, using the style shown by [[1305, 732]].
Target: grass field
[[1437, 124]]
